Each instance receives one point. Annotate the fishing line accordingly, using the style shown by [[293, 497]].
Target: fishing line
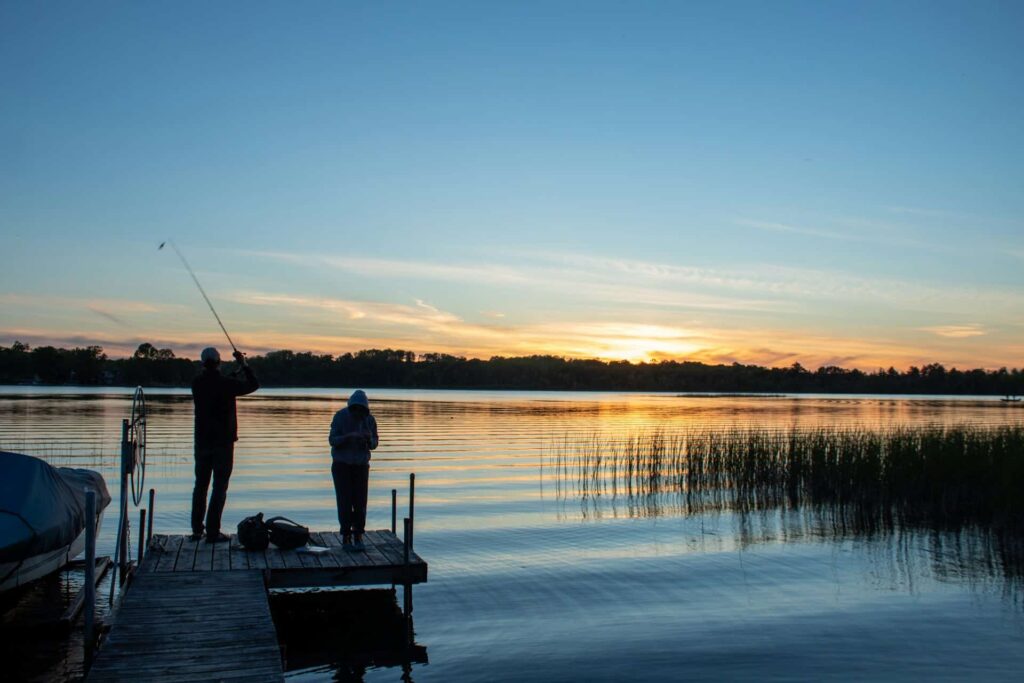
[[201, 290]]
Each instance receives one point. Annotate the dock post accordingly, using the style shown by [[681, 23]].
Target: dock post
[[412, 506], [89, 618], [142, 538], [406, 585], [394, 510], [122, 541], [152, 510]]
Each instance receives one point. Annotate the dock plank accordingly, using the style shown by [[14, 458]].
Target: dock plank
[[222, 556], [257, 559], [334, 542], [309, 560], [168, 554], [274, 560], [204, 556], [326, 559], [237, 557], [374, 555], [393, 553], [289, 558], [151, 641], [153, 552], [187, 555]]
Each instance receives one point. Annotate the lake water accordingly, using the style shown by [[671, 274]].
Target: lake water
[[529, 579]]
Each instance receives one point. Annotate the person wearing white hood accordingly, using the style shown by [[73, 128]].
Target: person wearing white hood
[[353, 435]]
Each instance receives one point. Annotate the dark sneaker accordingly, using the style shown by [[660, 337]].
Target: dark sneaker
[[196, 536], [219, 538], [346, 541], [358, 545]]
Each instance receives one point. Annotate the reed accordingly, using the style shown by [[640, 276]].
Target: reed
[[942, 477]]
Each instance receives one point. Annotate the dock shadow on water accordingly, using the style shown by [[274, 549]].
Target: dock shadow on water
[[339, 635]]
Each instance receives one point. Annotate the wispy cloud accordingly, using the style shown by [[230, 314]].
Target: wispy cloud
[[487, 273], [853, 230], [810, 232], [927, 213], [786, 285], [583, 279], [756, 290], [943, 214], [124, 306], [612, 308], [956, 331], [420, 326], [420, 314]]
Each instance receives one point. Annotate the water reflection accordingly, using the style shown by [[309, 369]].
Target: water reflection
[[340, 635], [552, 583], [830, 486]]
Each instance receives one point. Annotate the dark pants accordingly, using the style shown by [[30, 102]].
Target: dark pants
[[218, 462], [350, 483]]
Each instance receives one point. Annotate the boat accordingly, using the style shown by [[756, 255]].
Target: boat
[[42, 516], [1010, 399]]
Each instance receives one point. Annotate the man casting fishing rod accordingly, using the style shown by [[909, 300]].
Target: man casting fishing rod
[[216, 431], [216, 426]]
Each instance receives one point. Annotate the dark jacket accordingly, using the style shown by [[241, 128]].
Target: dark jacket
[[352, 438], [214, 398]]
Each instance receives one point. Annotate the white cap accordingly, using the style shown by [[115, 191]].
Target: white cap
[[209, 355]]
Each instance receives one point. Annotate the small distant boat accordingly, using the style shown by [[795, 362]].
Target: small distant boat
[[1011, 399], [42, 516]]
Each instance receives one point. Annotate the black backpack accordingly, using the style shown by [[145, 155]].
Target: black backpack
[[286, 534], [253, 533]]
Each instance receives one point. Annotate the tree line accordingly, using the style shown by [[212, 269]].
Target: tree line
[[150, 366]]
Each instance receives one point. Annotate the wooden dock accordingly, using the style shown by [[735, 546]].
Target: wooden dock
[[199, 611], [382, 562], [192, 627]]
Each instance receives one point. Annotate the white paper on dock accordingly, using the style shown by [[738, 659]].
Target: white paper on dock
[[312, 549]]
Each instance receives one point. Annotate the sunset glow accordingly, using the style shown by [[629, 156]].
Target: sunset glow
[[480, 185]]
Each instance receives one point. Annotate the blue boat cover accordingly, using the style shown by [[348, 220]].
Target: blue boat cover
[[42, 508]]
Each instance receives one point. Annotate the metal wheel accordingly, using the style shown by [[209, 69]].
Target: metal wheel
[[137, 439]]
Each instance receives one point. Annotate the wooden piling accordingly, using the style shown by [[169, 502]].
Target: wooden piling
[[407, 525], [122, 557], [394, 509], [407, 585], [89, 618], [152, 510], [412, 506], [142, 536]]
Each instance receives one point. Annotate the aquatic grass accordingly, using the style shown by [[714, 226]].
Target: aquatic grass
[[942, 477]]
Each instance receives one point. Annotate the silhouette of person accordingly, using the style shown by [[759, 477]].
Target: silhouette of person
[[216, 431], [353, 435]]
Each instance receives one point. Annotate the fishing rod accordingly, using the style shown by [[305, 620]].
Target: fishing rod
[[201, 291]]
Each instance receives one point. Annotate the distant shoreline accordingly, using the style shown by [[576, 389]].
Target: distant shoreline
[[396, 368], [9, 389]]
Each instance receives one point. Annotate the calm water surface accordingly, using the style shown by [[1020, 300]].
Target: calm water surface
[[529, 580]]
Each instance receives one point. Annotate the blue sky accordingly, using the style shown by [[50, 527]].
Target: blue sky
[[761, 182]]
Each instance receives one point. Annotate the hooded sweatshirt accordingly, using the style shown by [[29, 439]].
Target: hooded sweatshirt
[[352, 438]]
